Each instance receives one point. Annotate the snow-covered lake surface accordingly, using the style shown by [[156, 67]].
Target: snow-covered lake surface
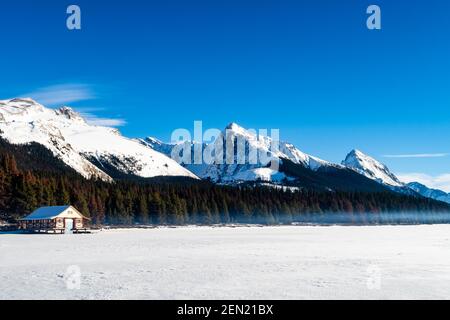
[[379, 262]]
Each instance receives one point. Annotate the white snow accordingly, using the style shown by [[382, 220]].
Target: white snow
[[44, 213], [260, 174], [23, 121], [74, 141], [429, 193], [250, 171], [286, 150], [371, 168], [380, 262]]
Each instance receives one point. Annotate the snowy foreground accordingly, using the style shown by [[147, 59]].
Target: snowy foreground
[[380, 262]]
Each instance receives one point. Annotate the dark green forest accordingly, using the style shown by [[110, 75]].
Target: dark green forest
[[24, 188]]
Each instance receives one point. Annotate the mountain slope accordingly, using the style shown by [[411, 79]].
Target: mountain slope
[[375, 170], [70, 138], [296, 168], [103, 153], [358, 172], [34, 157], [329, 179], [429, 193], [371, 168], [247, 171]]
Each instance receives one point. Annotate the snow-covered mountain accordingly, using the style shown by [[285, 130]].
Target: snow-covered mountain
[[103, 153], [371, 168], [237, 172], [375, 170], [429, 193], [92, 151], [296, 168], [321, 170]]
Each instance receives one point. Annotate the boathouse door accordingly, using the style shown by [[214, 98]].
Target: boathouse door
[[68, 225]]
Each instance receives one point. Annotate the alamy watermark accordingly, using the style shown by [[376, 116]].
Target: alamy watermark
[[374, 20], [232, 146], [373, 277], [72, 278], [73, 21]]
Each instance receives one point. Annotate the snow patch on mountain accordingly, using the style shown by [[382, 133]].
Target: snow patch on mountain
[[371, 168], [74, 141], [90, 150], [238, 172], [429, 193], [24, 121], [285, 150]]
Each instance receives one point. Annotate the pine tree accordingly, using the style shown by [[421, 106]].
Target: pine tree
[[225, 212], [141, 210], [63, 196]]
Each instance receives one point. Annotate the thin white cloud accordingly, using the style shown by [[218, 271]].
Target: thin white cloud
[[106, 122], [417, 155], [441, 182], [61, 94], [65, 94], [94, 120]]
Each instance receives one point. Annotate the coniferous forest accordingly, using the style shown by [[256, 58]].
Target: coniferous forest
[[31, 177]]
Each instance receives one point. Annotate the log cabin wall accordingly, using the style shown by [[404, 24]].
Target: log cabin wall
[[78, 223], [59, 223], [39, 224]]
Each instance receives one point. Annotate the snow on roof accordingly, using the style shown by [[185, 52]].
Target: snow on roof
[[45, 213]]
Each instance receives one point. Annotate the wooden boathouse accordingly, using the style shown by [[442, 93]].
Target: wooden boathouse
[[61, 219]]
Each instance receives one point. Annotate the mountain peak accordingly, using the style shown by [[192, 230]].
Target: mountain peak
[[371, 168], [69, 113], [233, 126], [9, 109], [236, 130], [359, 156], [429, 192], [21, 103], [93, 151], [356, 152], [26, 100]]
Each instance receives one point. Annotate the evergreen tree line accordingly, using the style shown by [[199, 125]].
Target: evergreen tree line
[[126, 202]]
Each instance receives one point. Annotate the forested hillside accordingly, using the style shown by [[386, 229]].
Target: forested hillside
[[31, 177]]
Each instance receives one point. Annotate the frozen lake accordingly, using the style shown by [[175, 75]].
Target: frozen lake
[[376, 262]]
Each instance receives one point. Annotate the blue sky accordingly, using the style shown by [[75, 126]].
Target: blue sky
[[310, 68]]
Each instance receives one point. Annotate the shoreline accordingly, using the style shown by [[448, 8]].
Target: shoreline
[[228, 226]]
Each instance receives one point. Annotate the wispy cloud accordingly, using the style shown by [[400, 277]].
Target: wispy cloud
[[61, 94], [88, 114], [107, 122], [441, 182], [417, 155], [66, 94]]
